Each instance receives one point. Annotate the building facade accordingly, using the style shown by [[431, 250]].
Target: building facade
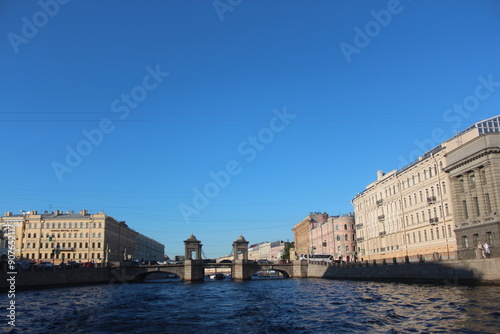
[[336, 236], [302, 232], [70, 236], [147, 249], [413, 211], [474, 172]]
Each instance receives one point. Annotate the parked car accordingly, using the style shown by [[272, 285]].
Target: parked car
[[45, 264], [23, 265]]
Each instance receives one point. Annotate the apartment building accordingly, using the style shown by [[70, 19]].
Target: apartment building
[[68, 236], [302, 232], [336, 236], [415, 211]]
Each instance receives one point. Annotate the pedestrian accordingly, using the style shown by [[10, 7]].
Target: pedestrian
[[486, 250], [479, 251]]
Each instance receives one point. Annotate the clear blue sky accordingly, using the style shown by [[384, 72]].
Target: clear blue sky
[[361, 84]]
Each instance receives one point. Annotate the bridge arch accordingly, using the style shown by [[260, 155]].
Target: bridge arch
[[287, 271], [143, 276]]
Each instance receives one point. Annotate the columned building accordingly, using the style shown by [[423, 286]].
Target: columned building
[[417, 210], [474, 171]]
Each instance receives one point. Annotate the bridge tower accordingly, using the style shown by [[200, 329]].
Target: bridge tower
[[240, 263], [193, 264]]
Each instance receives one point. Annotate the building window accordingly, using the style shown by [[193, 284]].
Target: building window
[[432, 234], [444, 188], [346, 248], [100, 225], [437, 232], [418, 220], [414, 239], [475, 239], [87, 225], [99, 234], [487, 202], [476, 206], [70, 225], [419, 236], [465, 243], [472, 179], [87, 235], [489, 238], [449, 230], [75, 235], [94, 224], [43, 225], [337, 227], [93, 235], [338, 237], [345, 226], [464, 208]]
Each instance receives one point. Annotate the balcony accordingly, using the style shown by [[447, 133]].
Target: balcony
[[434, 221], [380, 202], [381, 218], [431, 200], [359, 226], [382, 234], [360, 239]]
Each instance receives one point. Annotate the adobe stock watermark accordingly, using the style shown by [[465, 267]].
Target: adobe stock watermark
[[94, 137], [30, 27], [455, 117], [10, 236], [248, 150], [373, 28], [223, 6]]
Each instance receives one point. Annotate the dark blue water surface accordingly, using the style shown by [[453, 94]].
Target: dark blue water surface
[[260, 306]]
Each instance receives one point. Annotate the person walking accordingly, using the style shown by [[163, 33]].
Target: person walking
[[479, 251], [486, 250]]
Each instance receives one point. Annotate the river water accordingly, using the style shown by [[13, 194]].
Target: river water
[[258, 306]]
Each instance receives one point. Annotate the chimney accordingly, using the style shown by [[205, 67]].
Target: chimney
[[84, 212], [8, 214], [380, 174]]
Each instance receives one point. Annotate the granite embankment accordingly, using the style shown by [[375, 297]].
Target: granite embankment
[[482, 271]]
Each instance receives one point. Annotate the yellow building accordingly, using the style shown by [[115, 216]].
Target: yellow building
[[412, 211], [70, 236]]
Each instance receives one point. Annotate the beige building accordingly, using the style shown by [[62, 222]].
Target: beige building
[[302, 232], [70, 236], [147, 249], [474, 171], [413, 211]]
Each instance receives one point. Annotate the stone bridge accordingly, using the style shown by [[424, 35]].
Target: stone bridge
[[193, 269], [139, 273]]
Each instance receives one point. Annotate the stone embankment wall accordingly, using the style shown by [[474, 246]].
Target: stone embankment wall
[[484, 271], [37, 279]]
